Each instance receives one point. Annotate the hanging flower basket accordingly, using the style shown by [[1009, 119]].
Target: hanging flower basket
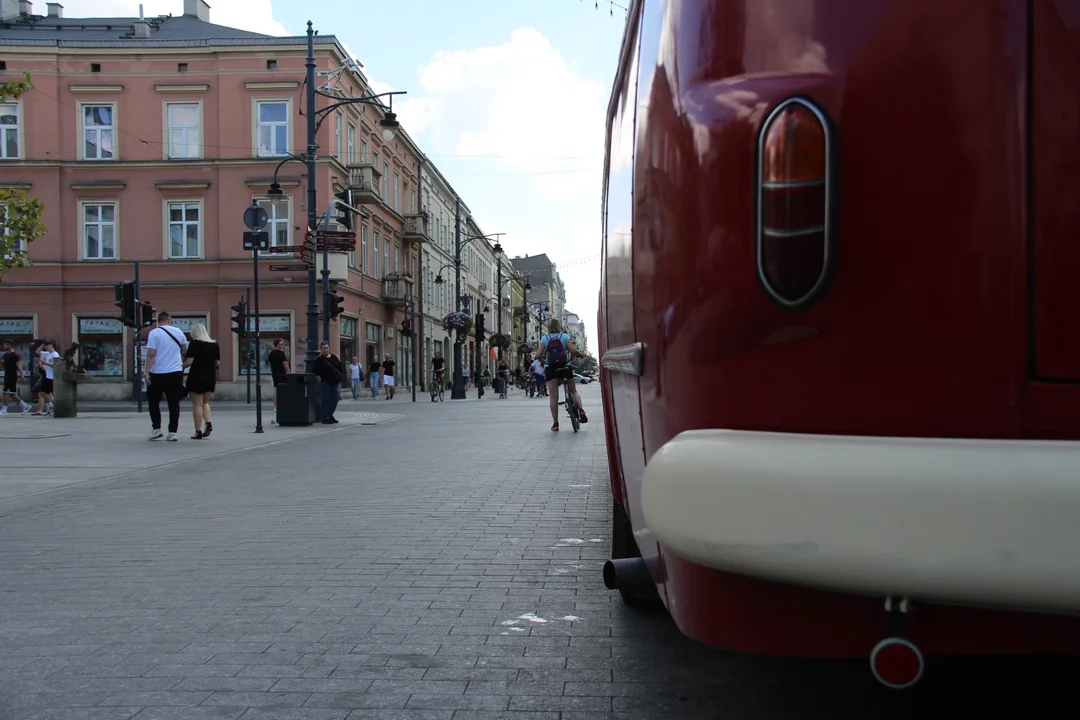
[[526, 348], [457, 321], [499, 341]]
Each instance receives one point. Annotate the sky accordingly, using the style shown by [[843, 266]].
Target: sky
[[507, 97]]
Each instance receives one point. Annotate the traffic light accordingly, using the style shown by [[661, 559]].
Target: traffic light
[[345, 219], [240, 318], [406, 328], [146, 314], [125, 300], [333, 305], [479, 327]]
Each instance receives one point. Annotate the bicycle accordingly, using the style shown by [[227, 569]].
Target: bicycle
[[504, 382], [565, 375], [437, 386]]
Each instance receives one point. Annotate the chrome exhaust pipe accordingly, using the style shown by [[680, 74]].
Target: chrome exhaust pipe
[[627, 574]]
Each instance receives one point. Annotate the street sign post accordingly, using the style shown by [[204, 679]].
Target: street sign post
[[291, 267], [256, 240], [255, 217], [285, 249]]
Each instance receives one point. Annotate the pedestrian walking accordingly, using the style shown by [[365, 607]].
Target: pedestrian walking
[[13, 373], [356, 376], [328, 368], [388, 376], [47, 356], [203, 358], [279, 367], [165, 349]]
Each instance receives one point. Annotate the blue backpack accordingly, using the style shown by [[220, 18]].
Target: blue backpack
[[555, 351]]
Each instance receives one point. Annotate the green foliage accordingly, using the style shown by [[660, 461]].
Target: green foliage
[[20, 215], [584, 365]]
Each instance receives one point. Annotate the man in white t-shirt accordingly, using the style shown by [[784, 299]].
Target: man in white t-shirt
[[165, 348], [47, 353]]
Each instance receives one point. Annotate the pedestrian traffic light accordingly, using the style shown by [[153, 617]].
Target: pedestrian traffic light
[[345, 219], [146, 314], [406, 328], [239, 318], [125, 300], [479, 327], [333, 305]]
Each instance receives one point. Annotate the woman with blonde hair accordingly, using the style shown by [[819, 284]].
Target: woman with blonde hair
[[204, 358]]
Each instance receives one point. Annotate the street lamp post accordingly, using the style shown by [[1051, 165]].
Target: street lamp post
[[460, 241], [315, 118]]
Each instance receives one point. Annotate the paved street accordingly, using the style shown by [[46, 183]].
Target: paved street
[[417, 562]]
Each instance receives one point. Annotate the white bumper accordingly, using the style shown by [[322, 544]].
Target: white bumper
[[986, 522]]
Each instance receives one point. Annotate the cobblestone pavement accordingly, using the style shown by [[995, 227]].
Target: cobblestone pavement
[[445, 566]]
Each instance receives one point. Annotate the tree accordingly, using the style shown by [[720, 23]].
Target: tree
[[20, 215], [584, 365]]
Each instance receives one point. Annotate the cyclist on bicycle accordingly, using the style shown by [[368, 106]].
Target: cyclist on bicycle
[[556, 348], [438, 368], [537, 374]]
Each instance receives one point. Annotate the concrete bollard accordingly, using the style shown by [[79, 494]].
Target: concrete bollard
[[65, 389]]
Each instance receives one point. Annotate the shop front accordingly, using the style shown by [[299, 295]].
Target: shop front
[[349, 343], [373, 342], [271, 329], [101, 346], [21, 330]]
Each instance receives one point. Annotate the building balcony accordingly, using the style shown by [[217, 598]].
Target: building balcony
[[416, 228], [365, 181], [397, 288]]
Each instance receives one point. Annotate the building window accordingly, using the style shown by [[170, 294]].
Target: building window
[[101, 346], [397, 192], [98, 132], [99, 231], [364, 262], [386, 257], [338, 131], [271, 64], [184, 137], [375, 257], [351, 151], [397, 257], [277, 220], [9, 131], [273, 128], [363, 152], [184, 230], [181, 67], [385, 189]]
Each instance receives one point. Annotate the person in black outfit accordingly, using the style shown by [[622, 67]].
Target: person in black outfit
[[203, 357], [279, 365], [388, 376], [438, 365], [328, 368]]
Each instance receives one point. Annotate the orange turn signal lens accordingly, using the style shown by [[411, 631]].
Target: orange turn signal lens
[[794, 147]]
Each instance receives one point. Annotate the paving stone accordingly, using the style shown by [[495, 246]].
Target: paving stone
[[392, 587]]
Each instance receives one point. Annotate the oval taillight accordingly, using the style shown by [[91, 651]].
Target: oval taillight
[[795, 253]]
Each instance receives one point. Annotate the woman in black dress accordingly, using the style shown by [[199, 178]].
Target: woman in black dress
[[203, 358]]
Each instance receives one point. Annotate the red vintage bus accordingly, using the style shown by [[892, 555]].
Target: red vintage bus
[[840, 325]]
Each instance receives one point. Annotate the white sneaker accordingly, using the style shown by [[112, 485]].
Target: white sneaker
[[3, 412], [25, 410], [171, 437], [155, 435]]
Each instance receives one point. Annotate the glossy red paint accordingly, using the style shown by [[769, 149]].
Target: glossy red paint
[[952, 311]]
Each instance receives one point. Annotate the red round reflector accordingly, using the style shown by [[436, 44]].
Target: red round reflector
[[896, 663]]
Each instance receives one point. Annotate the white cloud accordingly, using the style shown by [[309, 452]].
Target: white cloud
[[253, 15], [521, 102]]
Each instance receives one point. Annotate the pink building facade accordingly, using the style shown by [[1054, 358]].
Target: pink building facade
[[146, 141]]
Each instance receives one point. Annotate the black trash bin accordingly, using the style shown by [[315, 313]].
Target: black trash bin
[[297, 398]]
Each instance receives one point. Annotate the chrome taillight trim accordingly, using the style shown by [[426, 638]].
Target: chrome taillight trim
[[625, 359], [760, 231]]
